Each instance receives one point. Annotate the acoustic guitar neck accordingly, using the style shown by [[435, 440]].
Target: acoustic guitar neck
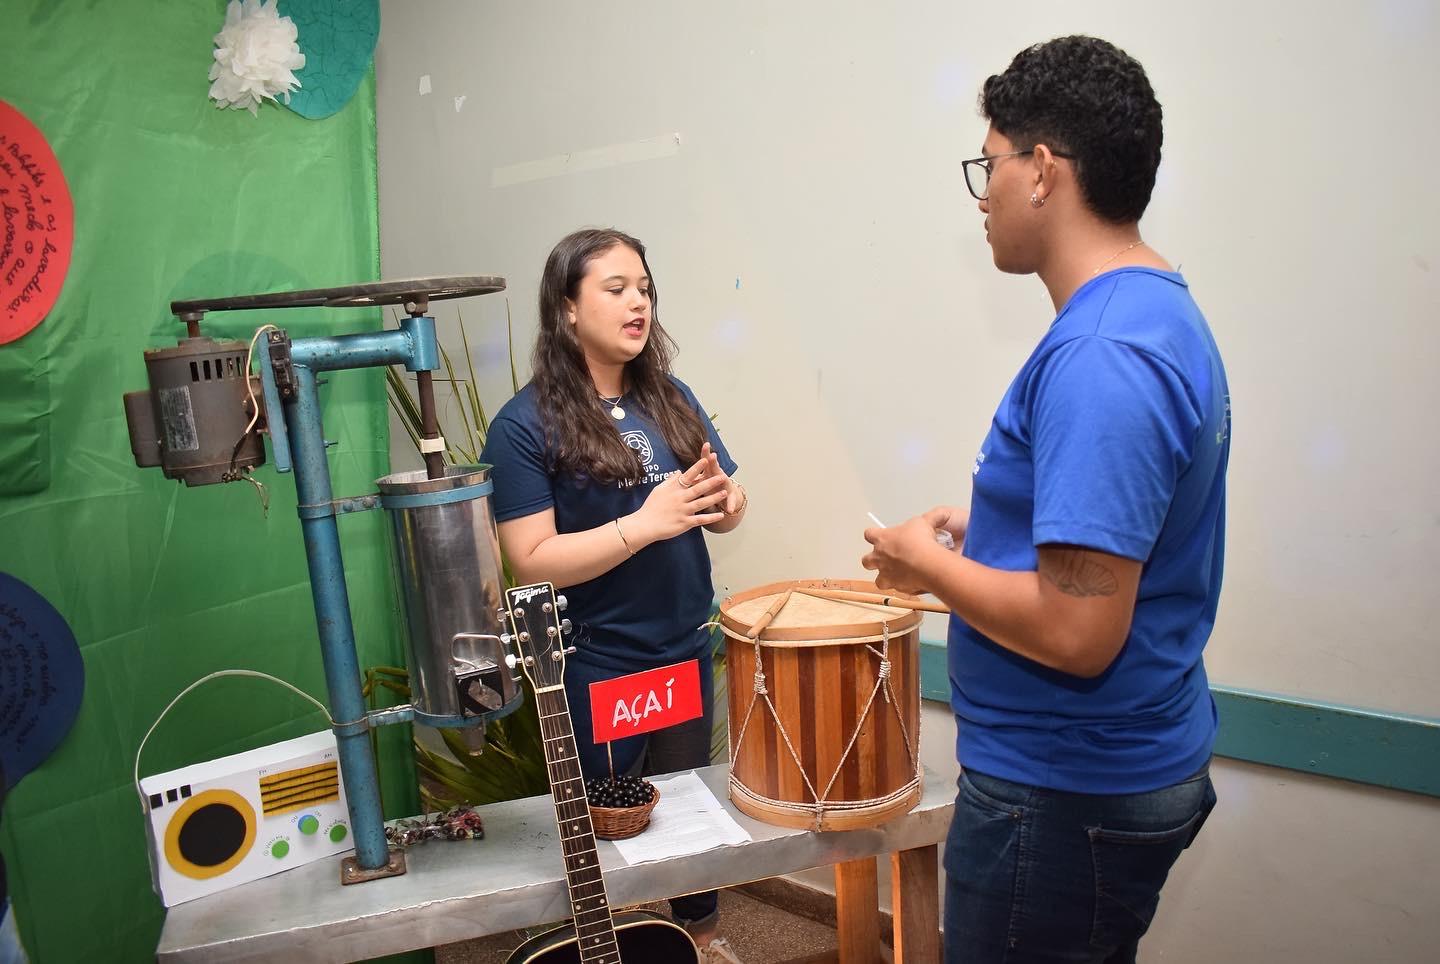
[[589, 904]]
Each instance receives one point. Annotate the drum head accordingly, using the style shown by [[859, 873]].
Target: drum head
[[813, 619]]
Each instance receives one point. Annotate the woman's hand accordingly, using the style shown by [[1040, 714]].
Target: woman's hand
[[680, 503], [735, 497]]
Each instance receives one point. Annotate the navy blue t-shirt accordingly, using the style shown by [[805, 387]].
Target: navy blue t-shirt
[[647, 610], [1114, 436]]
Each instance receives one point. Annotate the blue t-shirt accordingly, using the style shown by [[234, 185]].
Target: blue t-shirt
[[647, 610], [1114, 436]]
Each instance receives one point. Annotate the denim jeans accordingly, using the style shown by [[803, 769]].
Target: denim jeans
[[681, 747], [1035, 875]]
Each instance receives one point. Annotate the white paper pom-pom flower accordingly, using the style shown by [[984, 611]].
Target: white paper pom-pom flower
[[255, 56]]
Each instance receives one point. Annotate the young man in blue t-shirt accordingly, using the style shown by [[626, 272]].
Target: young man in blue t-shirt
[[1088, 570]]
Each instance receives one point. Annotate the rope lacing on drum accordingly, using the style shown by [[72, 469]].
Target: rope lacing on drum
[[762, 692], [884, 680], [882, 684], [882, 677]]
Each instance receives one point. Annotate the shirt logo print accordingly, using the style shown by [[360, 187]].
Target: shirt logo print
[[636, 440]]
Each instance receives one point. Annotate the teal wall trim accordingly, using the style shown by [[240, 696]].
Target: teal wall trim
[[1386, 749], [934, 672], [1367, 746]]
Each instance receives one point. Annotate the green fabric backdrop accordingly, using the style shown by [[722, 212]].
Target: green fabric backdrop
[[163, 584]]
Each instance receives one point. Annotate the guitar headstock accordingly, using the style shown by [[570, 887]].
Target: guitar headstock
[[533, 626]]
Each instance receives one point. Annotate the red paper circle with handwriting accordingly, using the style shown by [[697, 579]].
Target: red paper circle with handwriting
[[37, 225]]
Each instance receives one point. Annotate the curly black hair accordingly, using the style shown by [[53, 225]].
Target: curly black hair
[[1088, 98]]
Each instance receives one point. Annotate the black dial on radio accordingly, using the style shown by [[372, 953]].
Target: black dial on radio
[[212, 835]]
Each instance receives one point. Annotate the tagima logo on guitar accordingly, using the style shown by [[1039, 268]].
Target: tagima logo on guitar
[[526, 593]]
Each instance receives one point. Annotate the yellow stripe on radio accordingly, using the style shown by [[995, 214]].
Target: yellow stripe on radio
[[288, 775], [295, 789]]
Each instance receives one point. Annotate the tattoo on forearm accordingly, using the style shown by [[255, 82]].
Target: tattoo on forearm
[[1075, 573]]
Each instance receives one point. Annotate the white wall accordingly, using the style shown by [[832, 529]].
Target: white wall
[[824, 269], [795, 170]]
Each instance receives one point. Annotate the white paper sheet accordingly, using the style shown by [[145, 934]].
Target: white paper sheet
[[687, 820]]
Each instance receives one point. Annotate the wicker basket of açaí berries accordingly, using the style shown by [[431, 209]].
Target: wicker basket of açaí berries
[[620, 806]]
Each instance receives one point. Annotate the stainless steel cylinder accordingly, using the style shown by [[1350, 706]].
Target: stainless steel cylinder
[[448, 573]]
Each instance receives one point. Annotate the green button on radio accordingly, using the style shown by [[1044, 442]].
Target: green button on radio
[[338, 833], [279, 849], [309, 824]]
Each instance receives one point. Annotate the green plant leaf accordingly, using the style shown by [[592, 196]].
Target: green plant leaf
[[510, 341], [478, 409], [459, 398], [720, 725], [403, 403], [456, 782], [479, 413]]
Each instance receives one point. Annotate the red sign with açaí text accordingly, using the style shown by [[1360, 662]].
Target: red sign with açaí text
[[642, 702]]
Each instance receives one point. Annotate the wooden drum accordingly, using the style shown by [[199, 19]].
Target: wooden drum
[[824, 699]]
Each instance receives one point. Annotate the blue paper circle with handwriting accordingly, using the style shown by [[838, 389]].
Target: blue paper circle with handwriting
[[337, 38], [42, 678]]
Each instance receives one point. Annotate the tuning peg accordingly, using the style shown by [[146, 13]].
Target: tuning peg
[[561, 603], [564, 625], [511, 661], [506, 638], [569, 650]]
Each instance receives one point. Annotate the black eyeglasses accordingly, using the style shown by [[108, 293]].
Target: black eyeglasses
[[979, 169]]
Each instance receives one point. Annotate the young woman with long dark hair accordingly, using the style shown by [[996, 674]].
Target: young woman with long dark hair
[[606, 468]]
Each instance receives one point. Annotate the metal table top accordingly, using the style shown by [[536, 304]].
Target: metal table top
[[513, 878]]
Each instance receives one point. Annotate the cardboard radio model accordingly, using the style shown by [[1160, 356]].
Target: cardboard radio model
[[225, 822]]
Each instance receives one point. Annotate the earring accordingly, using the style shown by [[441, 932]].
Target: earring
[[1036, 201]]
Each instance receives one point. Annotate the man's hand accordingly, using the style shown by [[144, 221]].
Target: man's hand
[[952, 519], [904, 556]]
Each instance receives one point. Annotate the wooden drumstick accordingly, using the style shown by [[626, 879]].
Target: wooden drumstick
[[879, 599], [769, 615]]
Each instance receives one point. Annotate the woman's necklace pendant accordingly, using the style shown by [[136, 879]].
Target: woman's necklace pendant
[[616, 412]]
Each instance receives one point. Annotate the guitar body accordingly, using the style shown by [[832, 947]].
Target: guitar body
[[645, 938]]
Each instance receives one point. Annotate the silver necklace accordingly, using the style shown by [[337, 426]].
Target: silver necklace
[[616, 412]]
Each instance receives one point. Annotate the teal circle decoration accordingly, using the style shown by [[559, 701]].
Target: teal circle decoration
[[337, 38]]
